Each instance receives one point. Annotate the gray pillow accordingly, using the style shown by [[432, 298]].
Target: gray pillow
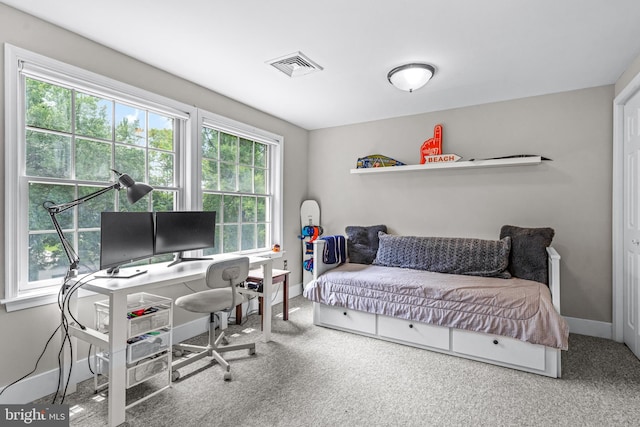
[[528, 259], [362, 242], [474, 257]]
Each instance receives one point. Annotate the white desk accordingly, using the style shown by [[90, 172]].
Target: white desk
[[157, 276]]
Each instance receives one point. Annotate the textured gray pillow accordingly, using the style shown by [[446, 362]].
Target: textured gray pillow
[[474, 257], [528, 259], [362, 242]]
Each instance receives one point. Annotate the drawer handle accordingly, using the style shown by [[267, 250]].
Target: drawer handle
[[411, 325], [495, 342]]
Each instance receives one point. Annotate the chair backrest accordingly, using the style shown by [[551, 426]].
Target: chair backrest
[[227, 273]]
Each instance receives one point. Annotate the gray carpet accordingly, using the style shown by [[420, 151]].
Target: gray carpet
[[313, 376]]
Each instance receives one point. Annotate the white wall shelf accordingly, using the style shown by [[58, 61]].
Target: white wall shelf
[[492, 163]]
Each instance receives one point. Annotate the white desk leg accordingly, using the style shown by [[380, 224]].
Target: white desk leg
[[117, 357], [267, 283]]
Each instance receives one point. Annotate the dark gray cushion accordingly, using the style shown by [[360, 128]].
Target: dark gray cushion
[[528, 259], [474, 257], [362, 242]]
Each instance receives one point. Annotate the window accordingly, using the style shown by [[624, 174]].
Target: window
[[73, 141], [72, 128], [235, 183]]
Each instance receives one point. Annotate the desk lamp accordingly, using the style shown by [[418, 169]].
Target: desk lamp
[[135, 191]]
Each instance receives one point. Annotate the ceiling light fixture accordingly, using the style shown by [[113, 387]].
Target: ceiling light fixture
[[410, 77]]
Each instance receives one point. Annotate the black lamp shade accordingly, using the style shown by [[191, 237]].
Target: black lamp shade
[[137, 191]]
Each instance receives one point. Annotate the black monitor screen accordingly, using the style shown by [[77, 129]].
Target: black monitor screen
[[125, 237], [184, 231]]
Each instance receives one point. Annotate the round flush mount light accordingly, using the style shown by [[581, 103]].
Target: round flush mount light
[[410, 77]]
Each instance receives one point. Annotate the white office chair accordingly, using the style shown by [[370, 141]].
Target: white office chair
[[222, 277]]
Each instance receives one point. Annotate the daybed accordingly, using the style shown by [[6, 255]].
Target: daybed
[[457, 296]]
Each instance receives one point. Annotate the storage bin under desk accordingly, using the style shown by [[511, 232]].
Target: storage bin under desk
[[147, 345], [149, 320], [138, 325], [140, 371]]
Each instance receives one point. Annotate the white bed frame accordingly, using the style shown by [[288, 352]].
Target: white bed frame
[[494, 349]]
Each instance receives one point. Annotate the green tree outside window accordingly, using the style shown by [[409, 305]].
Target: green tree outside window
[[234, 171], [78, 146]]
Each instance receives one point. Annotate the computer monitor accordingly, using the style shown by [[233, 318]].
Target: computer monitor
[[181, 231], [125, 237]]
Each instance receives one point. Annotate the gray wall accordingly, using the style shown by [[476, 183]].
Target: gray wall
[[632, 70], [572, 193], [24, 333]]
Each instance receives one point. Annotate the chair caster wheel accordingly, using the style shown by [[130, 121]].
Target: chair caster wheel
[[252, 351], [177, 353], [227, 376], [175, 375], [225, 341]]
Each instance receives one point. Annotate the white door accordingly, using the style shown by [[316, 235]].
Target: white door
[[631, 262]]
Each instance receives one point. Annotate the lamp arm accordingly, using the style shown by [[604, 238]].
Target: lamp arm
[[68, 249], [58, 208], [55, 209]]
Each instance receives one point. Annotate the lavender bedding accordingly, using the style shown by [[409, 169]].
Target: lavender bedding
[[516, 308]]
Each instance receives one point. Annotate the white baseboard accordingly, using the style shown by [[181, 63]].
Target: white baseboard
[[189, 329], [591, 328], [43, 384]]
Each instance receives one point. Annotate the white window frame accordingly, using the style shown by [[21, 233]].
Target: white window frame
[[275, 184], [187, 152]]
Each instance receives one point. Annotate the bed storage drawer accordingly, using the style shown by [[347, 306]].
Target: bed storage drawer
[[413, 332], [346, 318], [498, 348]]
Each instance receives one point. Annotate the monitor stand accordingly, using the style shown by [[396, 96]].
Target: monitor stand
[[180, 258], [117, 273]]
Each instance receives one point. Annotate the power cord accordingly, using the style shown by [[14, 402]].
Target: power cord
[[89, 360], [62, 324], [37, 361], [64, 298], [190, 288]]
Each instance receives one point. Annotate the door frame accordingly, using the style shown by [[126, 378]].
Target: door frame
[[617, 232]]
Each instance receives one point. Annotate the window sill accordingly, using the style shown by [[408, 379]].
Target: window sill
[[266, 254], [31, 299]]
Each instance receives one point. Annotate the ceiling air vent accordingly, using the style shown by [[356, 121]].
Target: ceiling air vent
[[295, 64]]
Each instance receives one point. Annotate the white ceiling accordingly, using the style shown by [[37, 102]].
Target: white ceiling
[[483, 51]]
